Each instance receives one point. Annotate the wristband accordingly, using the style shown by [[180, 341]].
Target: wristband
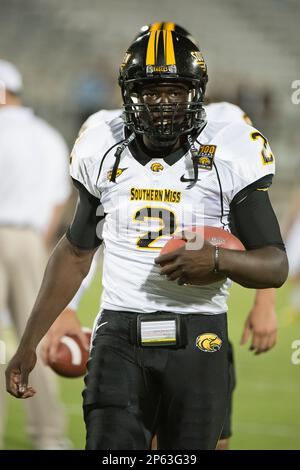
[[216, 259]]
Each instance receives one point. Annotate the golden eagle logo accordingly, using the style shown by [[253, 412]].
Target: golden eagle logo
[[156, 167], [119, 172], [209, 342], [204, 161]]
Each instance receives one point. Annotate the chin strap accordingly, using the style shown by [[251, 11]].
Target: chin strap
[[195, 159], [118, 153]]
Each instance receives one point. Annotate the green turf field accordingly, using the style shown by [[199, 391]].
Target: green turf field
[[266, 407]]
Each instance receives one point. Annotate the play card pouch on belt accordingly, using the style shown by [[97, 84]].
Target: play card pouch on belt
[[159, 330]]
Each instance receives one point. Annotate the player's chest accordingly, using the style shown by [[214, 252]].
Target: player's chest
[[148, 203], [157, 182]]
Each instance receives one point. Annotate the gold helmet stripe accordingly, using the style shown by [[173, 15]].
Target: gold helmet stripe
[[153, 43], [169, 49], [168, 26], [155, 26], [156, 44], [150, 57]]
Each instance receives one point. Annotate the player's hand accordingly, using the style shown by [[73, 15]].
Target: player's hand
[[261, 323], [188, 266], [17, 373], [66, 324]]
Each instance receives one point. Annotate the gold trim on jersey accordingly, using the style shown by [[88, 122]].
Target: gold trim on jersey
[[247, 119], [153, 194]]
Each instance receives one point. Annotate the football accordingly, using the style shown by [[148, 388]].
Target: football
[[71, 357], [214, 235]]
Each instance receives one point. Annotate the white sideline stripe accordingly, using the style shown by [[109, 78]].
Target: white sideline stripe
[[74, 349]]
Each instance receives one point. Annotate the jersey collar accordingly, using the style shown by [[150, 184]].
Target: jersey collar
[[140, 153]]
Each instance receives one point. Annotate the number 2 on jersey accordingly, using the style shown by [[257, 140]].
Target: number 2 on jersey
[[266, 154], [149, 215]]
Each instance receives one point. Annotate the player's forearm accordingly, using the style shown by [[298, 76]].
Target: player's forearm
[[292, 213], [258, 269], [265, 297], [51, 232], [65, 271], [84, 285]]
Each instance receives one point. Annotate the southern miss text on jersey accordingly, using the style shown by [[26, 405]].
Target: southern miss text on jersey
[[151, 200]]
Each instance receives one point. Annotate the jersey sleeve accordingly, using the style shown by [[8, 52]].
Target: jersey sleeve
[[85, 231], [86, 156], [102, 116], [253, 220], [246, 158]]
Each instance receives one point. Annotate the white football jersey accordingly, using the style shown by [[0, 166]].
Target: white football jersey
[[150, 202]]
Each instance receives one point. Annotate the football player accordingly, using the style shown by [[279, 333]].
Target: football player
[[261, 321], [159, 359]]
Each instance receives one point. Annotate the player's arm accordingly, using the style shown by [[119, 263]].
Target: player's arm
[[67, 322], [263, 265], [261, 322], [58, 183], [293, 211], [66, 269]]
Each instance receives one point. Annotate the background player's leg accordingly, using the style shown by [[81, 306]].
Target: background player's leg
[[195, 390]]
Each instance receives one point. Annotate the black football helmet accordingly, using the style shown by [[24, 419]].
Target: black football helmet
[[165, 25], [163, 56]]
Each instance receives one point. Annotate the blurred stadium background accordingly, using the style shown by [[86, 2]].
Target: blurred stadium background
[[69, 52]]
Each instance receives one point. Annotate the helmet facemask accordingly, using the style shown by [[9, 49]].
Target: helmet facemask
[[163, 121]]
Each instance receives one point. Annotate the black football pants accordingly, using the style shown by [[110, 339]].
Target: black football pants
[[133, 392]]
